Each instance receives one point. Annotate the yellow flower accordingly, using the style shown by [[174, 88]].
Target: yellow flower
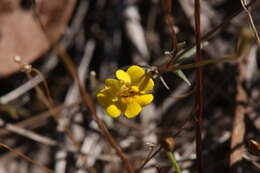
[[126, 94]]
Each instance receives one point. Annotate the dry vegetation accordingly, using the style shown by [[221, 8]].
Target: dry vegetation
[[49, 117]]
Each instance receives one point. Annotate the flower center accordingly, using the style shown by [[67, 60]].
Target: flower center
[[128, 93]]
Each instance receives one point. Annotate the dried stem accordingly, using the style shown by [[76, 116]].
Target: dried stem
[[167, 7], [214, 31], [251, 21], [148, 159], [44, 168], [47, 100], [238, 129], [199, 90], [86, 97], [89, 104], [27, 133], [166, 67], [39, 119]]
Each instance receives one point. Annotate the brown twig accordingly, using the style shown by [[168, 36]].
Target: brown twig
[[254, 163], [215, 30], [148, 159], [167, 7], [47, 100], [27, 133], [44, 168], [14, 94], [250, 18], [41, 118], [165, 67], [89, 104], [151, 149], [238, 130], [86, 96], [199, 90]]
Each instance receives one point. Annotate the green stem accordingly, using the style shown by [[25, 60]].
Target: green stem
[[200, 63], [171, 157], [204, 62]]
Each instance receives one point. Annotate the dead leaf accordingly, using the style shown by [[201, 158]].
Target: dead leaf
[[21, 35]]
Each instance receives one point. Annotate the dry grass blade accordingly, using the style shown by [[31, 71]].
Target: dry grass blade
[[20, 90], [27, 158], [238, 130], [89, 104], [251, 21], [103, 37], [86, 97], [29, 134], [38, 120], [47, 100]]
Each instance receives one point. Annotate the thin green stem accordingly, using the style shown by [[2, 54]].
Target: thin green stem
[[203, 63], [171, 157]]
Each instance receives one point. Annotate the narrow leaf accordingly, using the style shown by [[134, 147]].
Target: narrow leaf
[[181, 75]]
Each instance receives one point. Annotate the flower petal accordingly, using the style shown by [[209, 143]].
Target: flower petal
[[132, 110], [123, 76], [114, 84], [113, 111], [103, 99], [135, 72], [144, 99], [146, 84]]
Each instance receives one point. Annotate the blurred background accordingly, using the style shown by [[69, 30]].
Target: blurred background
[[101, 36]]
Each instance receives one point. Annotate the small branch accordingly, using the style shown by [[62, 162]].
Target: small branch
[[29, 134], [14, 94], [47, 100], [257, 165], [199, 90], [238, 130], [250, 18], [214, 31], [167, 7], [38, 120], [244, 46], [148, 159], [44, 168], [89, 104], [63, 55]]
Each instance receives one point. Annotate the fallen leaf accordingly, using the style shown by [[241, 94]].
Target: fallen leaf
[[21, 34]]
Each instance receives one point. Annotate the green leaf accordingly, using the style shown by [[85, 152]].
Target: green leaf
[[190, 52], [181, 75]]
